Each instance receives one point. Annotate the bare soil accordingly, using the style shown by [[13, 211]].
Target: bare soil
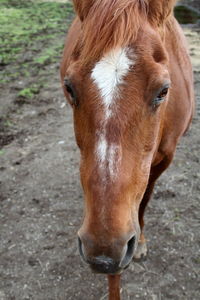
[[41, 205]]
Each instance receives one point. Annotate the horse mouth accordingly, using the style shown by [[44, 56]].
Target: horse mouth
[[105, 268], [100, 269]]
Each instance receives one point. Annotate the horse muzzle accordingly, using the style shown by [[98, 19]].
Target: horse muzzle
[[107, 260]]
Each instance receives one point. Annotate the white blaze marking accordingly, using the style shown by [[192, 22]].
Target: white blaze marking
[[113, 159], [108, 74], [102, 148]]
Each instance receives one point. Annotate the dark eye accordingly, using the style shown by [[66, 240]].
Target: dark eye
[[69, 88], [161, 96]]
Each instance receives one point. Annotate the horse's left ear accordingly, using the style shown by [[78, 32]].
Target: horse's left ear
[[82, 8], [160, 10]]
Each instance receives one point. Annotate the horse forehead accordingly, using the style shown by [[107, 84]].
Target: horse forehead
[[110, 70]]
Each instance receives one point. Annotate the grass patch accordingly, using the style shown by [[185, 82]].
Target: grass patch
[[48, 55], [2, 152], [28, 31], [28, 92]]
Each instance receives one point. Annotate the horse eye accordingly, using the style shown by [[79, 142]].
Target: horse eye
[[161, 96], [69, 88], [163, 93]]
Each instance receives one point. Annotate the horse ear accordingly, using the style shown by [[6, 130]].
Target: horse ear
[[82, 8], [160, 10]]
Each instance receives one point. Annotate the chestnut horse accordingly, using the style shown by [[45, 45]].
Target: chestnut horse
[[128, 77]]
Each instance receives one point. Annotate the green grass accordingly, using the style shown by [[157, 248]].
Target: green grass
[[28, 92], [2, 152], [48, 55], [31, 35]]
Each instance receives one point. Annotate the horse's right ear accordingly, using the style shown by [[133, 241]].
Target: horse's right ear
[[82, 8]]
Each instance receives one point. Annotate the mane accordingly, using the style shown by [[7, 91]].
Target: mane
[[110, 24]]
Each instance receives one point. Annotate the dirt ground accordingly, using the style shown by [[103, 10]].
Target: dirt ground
[[41, 205]]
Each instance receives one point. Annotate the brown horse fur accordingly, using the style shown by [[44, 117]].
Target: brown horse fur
[[146, 136]]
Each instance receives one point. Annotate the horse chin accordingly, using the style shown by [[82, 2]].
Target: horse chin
[[105, 272]]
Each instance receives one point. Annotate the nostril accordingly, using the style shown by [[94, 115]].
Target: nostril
[[129, 253], [80, 247], [131, 244]]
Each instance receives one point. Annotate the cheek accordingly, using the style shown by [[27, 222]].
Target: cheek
[[80, 129], [83, 127]]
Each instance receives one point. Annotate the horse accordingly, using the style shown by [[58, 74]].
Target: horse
[[127, 75]]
